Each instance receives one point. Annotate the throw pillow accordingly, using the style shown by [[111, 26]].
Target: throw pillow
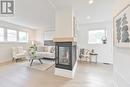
[[52, 50], [40, 48], [45, 49]]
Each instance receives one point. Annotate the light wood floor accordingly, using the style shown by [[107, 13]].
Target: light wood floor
[[87, 75]]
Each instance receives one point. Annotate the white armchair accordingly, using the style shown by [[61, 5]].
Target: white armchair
[[18, 53], [85, 53]]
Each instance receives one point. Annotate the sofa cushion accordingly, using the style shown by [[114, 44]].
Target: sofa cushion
[[42, 49], [20, 49], [50, 55], [41, 54], [45, 49]]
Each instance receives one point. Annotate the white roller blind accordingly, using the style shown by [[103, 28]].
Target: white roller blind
[[11, 35], [1, 34]]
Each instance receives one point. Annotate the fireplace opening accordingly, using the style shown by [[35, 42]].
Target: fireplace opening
[[65, 55]]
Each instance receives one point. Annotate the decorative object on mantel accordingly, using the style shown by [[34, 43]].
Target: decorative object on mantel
[[122, 28]]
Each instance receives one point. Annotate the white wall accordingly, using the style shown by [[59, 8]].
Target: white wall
[[104, 50], [64, 23], [121, 56], [44, 33], [39, 35], [5, 47]]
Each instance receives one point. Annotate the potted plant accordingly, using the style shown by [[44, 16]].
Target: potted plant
[[32, 51]]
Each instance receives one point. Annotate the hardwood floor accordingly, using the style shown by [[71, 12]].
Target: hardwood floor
[[87, 75]]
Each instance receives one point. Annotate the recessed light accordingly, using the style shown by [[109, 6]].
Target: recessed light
[[88, 17], [91, 2]]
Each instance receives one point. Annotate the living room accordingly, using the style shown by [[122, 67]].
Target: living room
[[59, 43]]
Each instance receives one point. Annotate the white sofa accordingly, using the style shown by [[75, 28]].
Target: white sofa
[[46, 52]]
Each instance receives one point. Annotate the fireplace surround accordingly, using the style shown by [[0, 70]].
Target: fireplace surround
[[65, 54]]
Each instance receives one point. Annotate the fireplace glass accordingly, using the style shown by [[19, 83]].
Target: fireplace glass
[[64, 55]]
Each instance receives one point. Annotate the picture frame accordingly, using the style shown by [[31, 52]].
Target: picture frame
[[121, 24]]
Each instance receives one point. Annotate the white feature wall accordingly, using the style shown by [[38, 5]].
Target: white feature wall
[[105, 51], [121, 55], [64, 23]]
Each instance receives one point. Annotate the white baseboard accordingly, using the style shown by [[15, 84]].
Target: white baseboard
[[5, 62]]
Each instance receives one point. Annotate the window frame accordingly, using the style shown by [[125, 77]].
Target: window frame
[[96, 30]]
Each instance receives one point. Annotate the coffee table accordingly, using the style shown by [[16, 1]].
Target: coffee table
[[32, 59]]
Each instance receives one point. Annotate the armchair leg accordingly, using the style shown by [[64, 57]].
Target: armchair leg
[[16, 60], [13, 59]]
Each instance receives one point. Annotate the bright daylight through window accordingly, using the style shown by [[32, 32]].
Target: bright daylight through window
[[95, 36], [23, 36]]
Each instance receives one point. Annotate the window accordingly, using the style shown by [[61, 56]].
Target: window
[[23, 36], [95, 36], [11, 35], [1, 34]]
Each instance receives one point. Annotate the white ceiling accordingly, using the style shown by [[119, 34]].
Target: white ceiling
[[100, 10], [36, 14], [39, 14]]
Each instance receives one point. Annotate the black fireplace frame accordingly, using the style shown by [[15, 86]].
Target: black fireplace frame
[[72, 55]]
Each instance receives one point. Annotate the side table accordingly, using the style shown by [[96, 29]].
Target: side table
[[93, 54]]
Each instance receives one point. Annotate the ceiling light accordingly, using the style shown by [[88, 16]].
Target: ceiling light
[[88, 17], [91, 2]]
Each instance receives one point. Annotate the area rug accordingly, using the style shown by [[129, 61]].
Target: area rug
[[41, 67], [38, 66]]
